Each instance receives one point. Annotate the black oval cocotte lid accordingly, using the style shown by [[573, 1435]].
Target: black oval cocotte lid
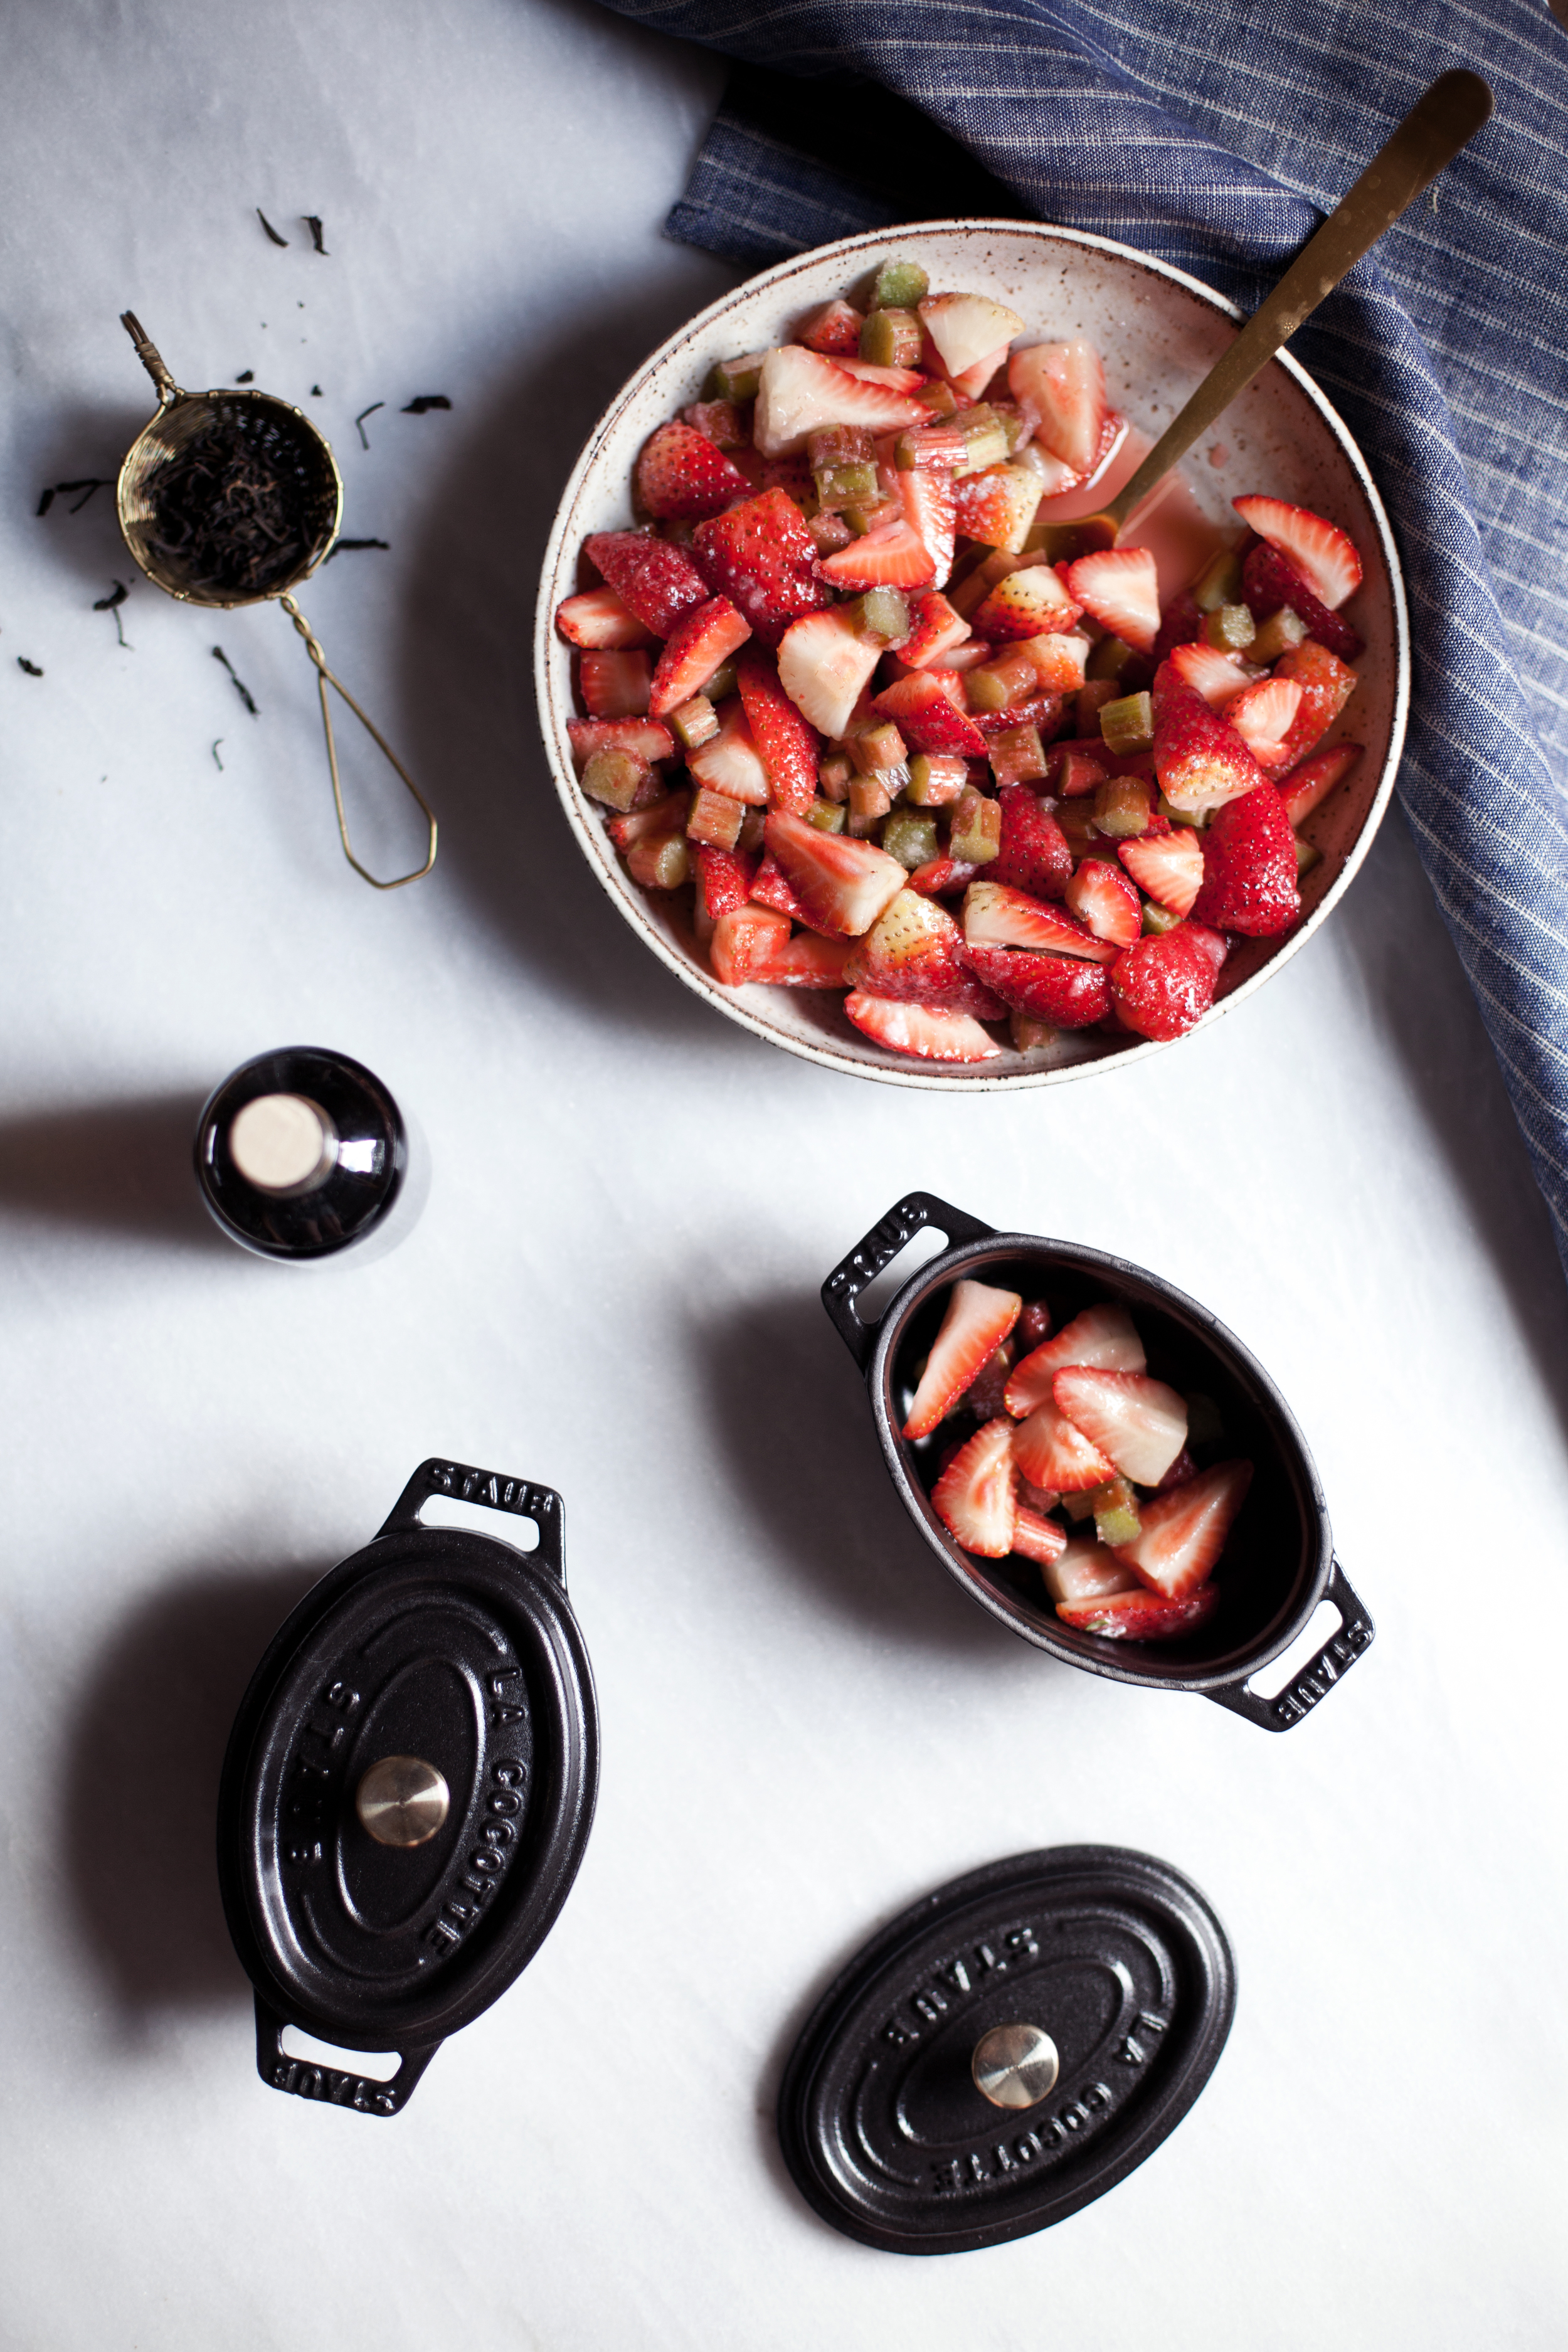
[[408, 1789], [1113, 1957]]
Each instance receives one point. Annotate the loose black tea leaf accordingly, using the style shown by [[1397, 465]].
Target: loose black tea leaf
[[235, 510], [215, 755], [266, 224], [108, 604], [249, 377], [31, 668], [88, 484], [427, 400], [344, 543], [315, 392], [313, 223], [46, 502], [359, 420], [240, 687]]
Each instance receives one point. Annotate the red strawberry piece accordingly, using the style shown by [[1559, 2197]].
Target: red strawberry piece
[[1064, 385], [656, 817], [1084, 1571], [1163, 985], [769, 888], [801, 391], [1168, 865], [1199, 760], [1038, 1538], [942, 877], [1043, 711], [742, 939], [786, 743], [1141, 1616], [598, 618], [1318, 551], [986, 1395], [807, 961], [998, 506], [1308, 786], [1050, 1452], [913, 953], [1028, 603], [929, 719], [1217, 677], [1270, 579], [843, 885], [974, 1495], [1214, 944], [654, 579], [937, 630], [921, 1029], [699, 643], [1181, 623], [995, 914], [1250, 867], [724, 880], [616, 685], [1120, 588], [1326, 684], [825, 664], [719, 421], [978, 1318], [729, 761], [1062, 990], [1263, 714], [1182, 1468], [834, 329], [1032, 1329], [890, 557], [1107, 900], [681, 476], [644, 737], [1103, 1336], [932, 508], [762, 556], [1033, 854], [1059, 659], [1138, 1423], [1184, 1532], [829, 532]]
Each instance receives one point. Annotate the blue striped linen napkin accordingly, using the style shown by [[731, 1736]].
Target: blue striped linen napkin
[[1213, 134]]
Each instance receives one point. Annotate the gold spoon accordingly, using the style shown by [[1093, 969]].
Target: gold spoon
[[1445, 119]]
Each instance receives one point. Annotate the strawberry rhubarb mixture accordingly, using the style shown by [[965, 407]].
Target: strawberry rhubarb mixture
[[1078, 1461], [872, 686]]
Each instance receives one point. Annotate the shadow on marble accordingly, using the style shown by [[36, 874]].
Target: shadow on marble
[[89, 440], [121, 1167], [145, 1747]]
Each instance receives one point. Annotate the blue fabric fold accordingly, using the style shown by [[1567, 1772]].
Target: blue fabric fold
[[1215, 134]]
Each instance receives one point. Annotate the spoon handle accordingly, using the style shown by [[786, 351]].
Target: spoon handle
[[1430, 136]]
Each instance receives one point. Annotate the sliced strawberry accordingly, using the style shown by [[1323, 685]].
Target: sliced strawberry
[[616, 685], [665, 816], [1168, 865], [913, 953], [1033, 854], [1141, 1616], [1051, 1452], [1327, 684], [801, 391], [842, 884], [1059, 659], [1084, 1571], [937, 629], [1320, 550], [786, 743], [998, 915], [893, 556], [974, 1495], [932, 507], [967, 328], [760, 555], [1104, 1336], [1038, 1538], [1064, 384], [1182, 1468], [1136, 1422], [896, 379], [1250, 867], [681, 476], [807, 961], [942, 877], [743, 938], [1062, 990], [979, 1317], [769, 888], [597, 618], [929, 719], [824, 664], [1043, 711], [997, 506], [1200, 762], [1263, 717], [729, 761], [724, 880], [834, 329], [1028, 603], [1308, 786], [643, 737], [1164, 985], [1105, 899], [1218, 677], [1184, 1532], [1270, 579], [921, 1030], [1120, 588], [655, 581], [700, 642]]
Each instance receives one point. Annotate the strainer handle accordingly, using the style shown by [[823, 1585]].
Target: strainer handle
[[323, 680], [152, 359]]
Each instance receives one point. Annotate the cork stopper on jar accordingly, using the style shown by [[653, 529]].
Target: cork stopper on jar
[[283, 1144]]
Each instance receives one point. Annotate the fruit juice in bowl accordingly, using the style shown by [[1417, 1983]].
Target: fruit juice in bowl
[[883, 749]]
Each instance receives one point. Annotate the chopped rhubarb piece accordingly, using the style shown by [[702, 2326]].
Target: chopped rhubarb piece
[[998, 506], [730, 762], [967, 328], [695, 722], [913, 953], [1326, 684], [1124, 806], [910, 838], [978, 1318], [921, 1030], [719, 421], [785, 742], [700, 641], [824, 664], [1184, 1530], [1106, 900], [1182, 1468], [616, 685], [1250, 867], [936, 629], [713, 819], [882, 614], [975, 827], [995, 914], [654, 579], [1230, 628], [1101, 1336], [1029, 603], [1050, 1452], [745, 938], [1285, 629], [1166, 984], [927, 716], [769, 888], [1263, 717], [1318, 551], [660, 862], [644, 737], [724, 880], [945, 447], [1084, 1571], [900, 285], [893, 557], [1072, 774], [936, 778], [736, 380], [762, 556], [1119, 587], [984, 1396], [843, 885], [1127, 723], [1038, 1538], [930, 505], [647, 823], [1033, 854], [1217, 677], [1003, 683], [1308, 786], [828, 532], [1064, 385], [1137, 1423], [1063, 991], [681, 476], [1200, 762], [974, 1495], [598, 619], [892, 339], [1141, 1616], [620, 781], [1169, 867], [799, 390], [1114, 1509], [1017, 756], [833, 329]]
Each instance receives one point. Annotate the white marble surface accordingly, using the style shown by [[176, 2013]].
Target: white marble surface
[[613, 1290]]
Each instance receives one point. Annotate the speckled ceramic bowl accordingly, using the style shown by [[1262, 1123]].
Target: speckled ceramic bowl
[[1160, 331]]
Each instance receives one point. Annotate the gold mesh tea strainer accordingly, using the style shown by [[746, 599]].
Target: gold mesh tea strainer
[[234, 497]]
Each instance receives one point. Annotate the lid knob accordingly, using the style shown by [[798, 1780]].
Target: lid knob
[[283, 1143], [1014, 2065], [402, 1800]]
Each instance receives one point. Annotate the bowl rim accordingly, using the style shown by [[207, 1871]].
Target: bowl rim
[[594, 841]]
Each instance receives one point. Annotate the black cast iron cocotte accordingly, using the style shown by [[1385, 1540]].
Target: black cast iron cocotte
[[408, 1789], [1279, 1562]]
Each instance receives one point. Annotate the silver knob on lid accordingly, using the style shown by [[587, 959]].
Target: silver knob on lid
[[402, 1800], [1014, 2065], [283, 1143]]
